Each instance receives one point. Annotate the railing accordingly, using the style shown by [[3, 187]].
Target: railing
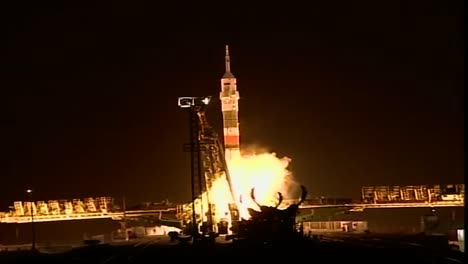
[[392, 205], [8, 218]]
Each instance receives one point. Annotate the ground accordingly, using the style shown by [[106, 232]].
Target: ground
[[328, 249]]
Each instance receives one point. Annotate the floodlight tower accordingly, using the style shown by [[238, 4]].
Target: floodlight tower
[[208, 165], [32, 212], [194, 105]]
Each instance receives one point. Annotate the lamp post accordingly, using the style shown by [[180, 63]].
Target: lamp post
[[194, 104], [33, 231], [125, 218]]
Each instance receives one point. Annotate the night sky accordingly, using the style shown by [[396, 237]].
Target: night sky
[[355, 94]]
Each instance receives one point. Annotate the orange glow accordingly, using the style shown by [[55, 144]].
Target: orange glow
[[265, 172]]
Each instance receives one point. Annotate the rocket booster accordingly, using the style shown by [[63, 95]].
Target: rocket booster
[[229, 97]]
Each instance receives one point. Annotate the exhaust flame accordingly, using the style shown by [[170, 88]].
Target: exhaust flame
[[265, 172]]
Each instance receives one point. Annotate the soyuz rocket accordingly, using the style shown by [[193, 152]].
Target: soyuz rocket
[[229, 97]]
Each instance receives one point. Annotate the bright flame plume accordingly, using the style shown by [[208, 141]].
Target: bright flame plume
[[264, 171]]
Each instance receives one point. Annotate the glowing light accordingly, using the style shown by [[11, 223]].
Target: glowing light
[[185, 102], [265, 172], [206, 100]]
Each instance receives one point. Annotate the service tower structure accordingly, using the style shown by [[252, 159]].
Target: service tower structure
[[229, 97]]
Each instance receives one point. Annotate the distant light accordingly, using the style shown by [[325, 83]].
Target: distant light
[[185, 102], [206, 100], [461, 234], [29, 191]]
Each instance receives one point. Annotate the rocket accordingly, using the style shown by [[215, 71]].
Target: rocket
[[229, 97]]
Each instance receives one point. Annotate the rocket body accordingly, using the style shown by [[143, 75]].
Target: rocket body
[[229, 97]]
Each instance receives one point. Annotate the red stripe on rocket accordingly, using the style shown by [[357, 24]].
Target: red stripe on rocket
[[231, 140]]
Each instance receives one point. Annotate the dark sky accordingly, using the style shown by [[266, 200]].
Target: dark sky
[[355, 94]]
